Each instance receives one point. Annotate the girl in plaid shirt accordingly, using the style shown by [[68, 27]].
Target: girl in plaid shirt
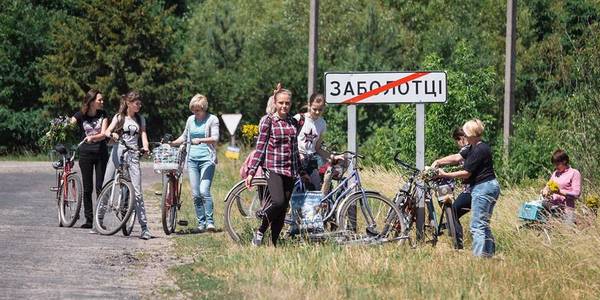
[[277, 152]]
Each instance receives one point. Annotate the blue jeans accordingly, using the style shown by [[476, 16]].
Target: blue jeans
[[201, 173], [484, 196]]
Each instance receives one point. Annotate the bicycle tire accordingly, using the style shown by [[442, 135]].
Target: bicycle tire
[[168, 207], [451, 226], [408, 212], [122, 212], [379, 218], [60, 224], [127, 228], [241, 224], [70, 208]]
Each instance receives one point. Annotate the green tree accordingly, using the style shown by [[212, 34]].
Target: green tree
[[117, 47]]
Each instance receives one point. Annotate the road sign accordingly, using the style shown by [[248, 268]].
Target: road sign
[[231, 121], [385, 87]]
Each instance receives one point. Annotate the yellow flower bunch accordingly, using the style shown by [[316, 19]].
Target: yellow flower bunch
[[249, 132], [552, 186], [592, 201]]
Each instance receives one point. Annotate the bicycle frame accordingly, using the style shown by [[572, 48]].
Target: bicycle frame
[[64, 172], [121, 172]]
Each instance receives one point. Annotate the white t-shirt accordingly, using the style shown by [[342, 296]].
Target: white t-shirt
[[311, 132], [131, 130]]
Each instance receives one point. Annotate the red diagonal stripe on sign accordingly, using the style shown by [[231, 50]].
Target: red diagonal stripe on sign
[[386, 87]]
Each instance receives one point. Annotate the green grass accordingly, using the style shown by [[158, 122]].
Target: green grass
[[524, 267]]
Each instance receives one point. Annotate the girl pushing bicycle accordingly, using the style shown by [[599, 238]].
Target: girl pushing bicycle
[[130, 126]]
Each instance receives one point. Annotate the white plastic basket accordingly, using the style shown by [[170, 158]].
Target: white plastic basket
[[167, 158]]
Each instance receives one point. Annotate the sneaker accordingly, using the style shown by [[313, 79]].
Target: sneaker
[[87, 225], [211, 228], [202, 228], [257, 239], [146, 235]]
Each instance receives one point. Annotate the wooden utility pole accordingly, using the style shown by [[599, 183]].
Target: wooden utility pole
[[313, 37], [509, 72]]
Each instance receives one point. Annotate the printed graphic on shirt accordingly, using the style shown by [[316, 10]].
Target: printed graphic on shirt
[[92, 127], [310, 138]]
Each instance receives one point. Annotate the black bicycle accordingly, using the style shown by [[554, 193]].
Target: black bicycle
[[418, 214]]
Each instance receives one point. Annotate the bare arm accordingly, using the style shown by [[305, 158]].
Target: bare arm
[[453, 159], [463, 174]]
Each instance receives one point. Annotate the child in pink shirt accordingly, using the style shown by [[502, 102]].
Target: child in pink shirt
[[569, 183]]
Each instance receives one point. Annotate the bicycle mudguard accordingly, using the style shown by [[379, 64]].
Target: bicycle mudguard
[[242, 182]]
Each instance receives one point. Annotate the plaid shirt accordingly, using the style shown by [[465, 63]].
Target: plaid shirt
[[277, 146]]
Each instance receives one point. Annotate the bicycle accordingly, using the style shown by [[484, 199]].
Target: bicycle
[[338, 209], [169, 162], [69, 187], [418, 214], [116, 200]]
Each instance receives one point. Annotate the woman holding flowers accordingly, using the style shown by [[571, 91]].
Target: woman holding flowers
[[564, 186]]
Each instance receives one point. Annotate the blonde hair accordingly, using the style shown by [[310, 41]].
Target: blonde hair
[[199, 101], [473, 128], [271, 109], [271, 106]]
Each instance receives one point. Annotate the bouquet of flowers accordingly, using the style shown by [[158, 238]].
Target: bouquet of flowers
[[249, 132], [552, 186], [61, 132]]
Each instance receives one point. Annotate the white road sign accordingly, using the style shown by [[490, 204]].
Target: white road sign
[[385, 87], [231, 121]]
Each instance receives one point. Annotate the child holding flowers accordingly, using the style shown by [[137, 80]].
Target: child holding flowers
[[564, 186]]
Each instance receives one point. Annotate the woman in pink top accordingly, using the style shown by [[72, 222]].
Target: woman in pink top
[[569, 183]]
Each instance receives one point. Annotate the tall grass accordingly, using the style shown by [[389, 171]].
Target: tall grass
[[526, 265]]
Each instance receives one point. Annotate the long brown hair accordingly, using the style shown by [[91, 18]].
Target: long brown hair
[[127, 98], [90, 96]]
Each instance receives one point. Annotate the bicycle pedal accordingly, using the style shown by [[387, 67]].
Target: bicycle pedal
[[53, 188], [182, 223]]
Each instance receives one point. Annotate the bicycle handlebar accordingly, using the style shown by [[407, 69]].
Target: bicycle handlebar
[[404, 164]]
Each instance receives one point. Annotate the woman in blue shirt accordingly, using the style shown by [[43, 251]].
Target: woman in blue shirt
[[202, 134]]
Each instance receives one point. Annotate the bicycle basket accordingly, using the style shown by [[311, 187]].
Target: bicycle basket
[[532, 211], [167, 158]]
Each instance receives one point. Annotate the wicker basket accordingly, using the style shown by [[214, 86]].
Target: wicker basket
[[167, 158]]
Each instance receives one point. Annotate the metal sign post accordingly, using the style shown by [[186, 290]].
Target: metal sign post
[[389, 87]]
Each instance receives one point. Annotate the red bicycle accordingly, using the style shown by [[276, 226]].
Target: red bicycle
[[169, 161], [69, 188]]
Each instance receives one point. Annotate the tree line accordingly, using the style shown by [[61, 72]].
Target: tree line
[[235, 51]]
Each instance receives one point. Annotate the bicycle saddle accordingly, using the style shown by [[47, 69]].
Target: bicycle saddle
[[61, 149]]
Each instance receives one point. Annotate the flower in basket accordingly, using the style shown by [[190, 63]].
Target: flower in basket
[[61, 132], [429, 173], [552, 186], [249, 132]]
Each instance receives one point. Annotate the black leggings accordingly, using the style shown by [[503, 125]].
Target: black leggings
[[461, 206], [280, 188], [88, 161]]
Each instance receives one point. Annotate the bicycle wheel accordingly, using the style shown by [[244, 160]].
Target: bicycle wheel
[[127, 228], [169, 206], [71, 197], [451, 225], [242, 223], [413, 235], [114, 209], [369, 217]]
